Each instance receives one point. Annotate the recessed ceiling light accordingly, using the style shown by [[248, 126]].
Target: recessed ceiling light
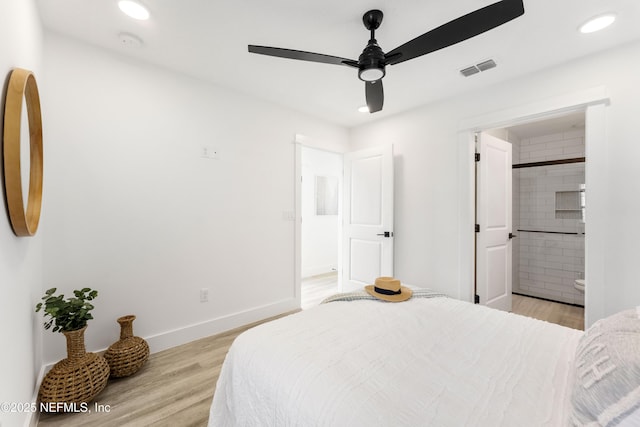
[[363, 109], [598, 23], [134, 9]]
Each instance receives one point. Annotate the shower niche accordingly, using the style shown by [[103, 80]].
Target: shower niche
[[570, 204]]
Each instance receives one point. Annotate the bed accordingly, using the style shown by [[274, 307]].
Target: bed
[[428, 361]]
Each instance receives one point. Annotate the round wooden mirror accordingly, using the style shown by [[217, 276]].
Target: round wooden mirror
[[22, 85]]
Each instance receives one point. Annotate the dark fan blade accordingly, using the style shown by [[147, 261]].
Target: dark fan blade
[[375, 95], [463, 28], [304, 56]]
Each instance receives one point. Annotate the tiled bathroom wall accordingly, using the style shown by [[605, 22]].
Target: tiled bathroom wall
[[549, 250], [564, 145]]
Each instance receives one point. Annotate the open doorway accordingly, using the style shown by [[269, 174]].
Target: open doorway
[[594, 102], [321, 214], [364, 238], [548, 217]]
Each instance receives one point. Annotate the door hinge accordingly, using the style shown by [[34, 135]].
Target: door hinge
[[477, 157], [476, 299], [477, 228]]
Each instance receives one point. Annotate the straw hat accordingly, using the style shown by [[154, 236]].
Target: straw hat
[[389, 289]]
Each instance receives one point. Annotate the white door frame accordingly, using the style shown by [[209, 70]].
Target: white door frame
[[593, 102]]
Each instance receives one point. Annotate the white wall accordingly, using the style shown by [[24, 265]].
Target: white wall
[[20, 257], [320, 238], [428, 207], [136, 213]]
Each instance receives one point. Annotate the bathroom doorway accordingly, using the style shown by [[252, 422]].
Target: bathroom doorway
[[549, 198], [594, 103]]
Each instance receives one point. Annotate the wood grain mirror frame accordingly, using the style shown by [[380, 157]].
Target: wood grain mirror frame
[[22, 85]]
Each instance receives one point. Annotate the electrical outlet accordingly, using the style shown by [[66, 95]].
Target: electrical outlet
[[210, 153], [204, 295]]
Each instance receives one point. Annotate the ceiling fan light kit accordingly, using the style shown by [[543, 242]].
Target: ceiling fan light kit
[[372, 62], [371, 74]]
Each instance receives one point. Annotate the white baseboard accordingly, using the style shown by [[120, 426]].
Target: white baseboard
[[33, 417], [196, 331], [315, 271], [183, 335]]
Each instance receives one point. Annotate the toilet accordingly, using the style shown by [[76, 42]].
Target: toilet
[[579, 285]]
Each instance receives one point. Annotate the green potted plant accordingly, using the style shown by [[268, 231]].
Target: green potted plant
[[79, 378], [70, 314]]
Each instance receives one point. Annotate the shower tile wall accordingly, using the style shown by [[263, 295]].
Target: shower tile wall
[[548, 263]]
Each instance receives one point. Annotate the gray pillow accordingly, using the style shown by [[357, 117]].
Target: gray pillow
[[606, 386]]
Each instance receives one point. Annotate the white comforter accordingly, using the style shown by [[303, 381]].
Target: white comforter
[[423, 362]]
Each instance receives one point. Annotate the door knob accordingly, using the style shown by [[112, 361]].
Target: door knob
[[511, 235], [385, 234]]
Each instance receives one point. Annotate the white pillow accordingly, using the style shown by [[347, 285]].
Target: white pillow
[[606, 387]]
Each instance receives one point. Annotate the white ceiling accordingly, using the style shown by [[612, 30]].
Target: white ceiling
[[208, 39]]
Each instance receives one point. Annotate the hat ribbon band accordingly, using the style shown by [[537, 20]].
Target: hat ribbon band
[[387, 291]]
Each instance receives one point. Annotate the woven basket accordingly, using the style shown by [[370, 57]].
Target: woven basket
[[78, 378], [126, 356]]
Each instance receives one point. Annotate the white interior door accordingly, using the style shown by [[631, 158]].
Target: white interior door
[[494, 212], [367, 234]]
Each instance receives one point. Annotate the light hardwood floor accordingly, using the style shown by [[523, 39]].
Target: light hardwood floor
[[317, 288], [554, 312], [176, 386]]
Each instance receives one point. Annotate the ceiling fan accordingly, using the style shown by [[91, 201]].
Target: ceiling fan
[[372, 62]]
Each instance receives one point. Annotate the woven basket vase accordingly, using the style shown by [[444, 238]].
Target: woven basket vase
[[126, 356], [78, 378]]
